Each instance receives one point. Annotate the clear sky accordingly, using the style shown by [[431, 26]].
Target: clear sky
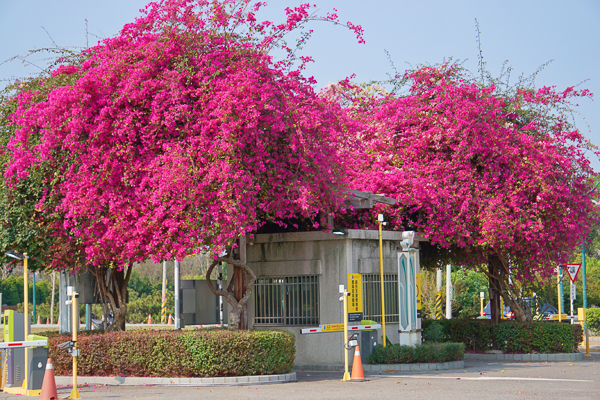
[[526, 33]]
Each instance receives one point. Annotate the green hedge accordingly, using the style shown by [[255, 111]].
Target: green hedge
[[508, 336], [426, 353], [178, 353], [593, 319]]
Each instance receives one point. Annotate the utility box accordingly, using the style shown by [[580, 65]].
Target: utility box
[[37, 364], [199, 305], [14, 330], [368, 342], [581, 314]]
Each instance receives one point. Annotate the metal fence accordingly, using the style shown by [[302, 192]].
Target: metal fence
[[372, 297], [287, 301]]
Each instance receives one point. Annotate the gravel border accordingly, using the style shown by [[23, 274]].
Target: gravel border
[[385, 367], [525, 357], [132, 381]]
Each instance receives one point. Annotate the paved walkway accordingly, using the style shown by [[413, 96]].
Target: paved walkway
[[478, 380]]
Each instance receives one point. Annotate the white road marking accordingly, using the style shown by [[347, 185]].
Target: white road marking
[[481, 378]]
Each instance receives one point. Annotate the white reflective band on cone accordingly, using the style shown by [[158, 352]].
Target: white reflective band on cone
[[357, 352], [49, 366]]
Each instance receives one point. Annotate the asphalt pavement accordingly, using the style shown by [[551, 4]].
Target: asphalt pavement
[[478, 380]]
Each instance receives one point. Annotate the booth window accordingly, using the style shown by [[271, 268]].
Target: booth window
[[372, 297], [287, 301]]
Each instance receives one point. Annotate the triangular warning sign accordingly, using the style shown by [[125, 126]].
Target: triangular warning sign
[[573, 270]]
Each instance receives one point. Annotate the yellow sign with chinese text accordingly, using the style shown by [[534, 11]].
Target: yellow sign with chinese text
[[332, 327], [355, 287]]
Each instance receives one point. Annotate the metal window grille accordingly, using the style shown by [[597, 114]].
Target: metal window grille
[[372, 297], [287, 301]]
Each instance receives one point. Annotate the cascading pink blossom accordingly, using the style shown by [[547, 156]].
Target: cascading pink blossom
[[472, 174], [182, 134]]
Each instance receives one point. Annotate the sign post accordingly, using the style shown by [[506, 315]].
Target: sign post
[[573, 271], [344, 300], [482, 297]]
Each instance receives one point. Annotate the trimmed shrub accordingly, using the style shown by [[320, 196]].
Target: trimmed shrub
[[434, 333], [426, 353], [177, 353], [510, 336], [592, 316]]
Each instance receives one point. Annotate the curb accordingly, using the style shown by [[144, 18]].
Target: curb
[[148, 381], [385, 367], [525, 357]]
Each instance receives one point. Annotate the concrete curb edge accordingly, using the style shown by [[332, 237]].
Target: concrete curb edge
[[385, 367], [132, 381], [525, 357]]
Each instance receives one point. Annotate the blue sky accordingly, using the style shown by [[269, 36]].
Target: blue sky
[[526, 33]]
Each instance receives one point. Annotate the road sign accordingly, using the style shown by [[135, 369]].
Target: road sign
[[573, 270], [355, 287], [573, 291]]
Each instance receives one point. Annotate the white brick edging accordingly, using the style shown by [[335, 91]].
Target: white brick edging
[[385, 367], [525, 357], [413, 367], [132, 381]]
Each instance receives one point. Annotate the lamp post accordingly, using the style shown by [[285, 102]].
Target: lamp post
[[380, 221]]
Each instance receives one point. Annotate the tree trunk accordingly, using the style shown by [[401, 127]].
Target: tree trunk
[[112, 285], [52, 298], [495, 278], [500, 287], [237, 306]]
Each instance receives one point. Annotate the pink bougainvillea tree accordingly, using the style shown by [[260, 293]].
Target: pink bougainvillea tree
[[488, 184], [180, 135]]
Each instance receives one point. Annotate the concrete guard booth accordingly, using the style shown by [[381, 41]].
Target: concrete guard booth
[[298, 276]]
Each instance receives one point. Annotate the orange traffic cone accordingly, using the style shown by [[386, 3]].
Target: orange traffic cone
[[39, 321], [357, 369], [49, 384], [47, 321], [149, 319], [170, 320]]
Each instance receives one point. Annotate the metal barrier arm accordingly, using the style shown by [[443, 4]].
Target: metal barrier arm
[[26, 343]]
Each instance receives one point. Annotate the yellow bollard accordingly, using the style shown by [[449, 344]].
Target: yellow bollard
[[75, 391], [345, 305]]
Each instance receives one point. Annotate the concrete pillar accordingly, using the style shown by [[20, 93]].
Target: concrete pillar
[[177, 281], [448, 291]]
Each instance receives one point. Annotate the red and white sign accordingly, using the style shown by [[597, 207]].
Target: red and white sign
[[572, 270]]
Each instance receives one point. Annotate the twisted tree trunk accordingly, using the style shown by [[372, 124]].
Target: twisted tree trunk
[[112, 286], [237, 306], [498, 274]]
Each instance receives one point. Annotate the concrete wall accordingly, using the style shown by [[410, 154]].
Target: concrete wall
[[331, 257]]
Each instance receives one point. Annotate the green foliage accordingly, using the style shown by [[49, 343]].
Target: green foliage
[[426, 353], [145, 298], [434, 333], [468, 283], [12, 291], [511, 336], [592, 316], [177, 353]]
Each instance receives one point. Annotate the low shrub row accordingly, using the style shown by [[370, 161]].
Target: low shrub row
[[508, 336], [204, 353], [426, 353], [593, 319]]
